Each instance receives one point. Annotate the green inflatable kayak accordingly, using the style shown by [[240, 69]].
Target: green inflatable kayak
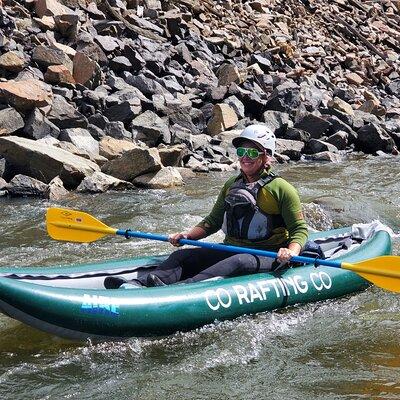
[[71, 301]]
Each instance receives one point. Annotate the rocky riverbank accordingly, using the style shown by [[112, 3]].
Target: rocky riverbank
[[117, 94]]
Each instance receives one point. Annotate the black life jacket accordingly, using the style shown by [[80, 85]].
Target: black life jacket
[[243, 219]]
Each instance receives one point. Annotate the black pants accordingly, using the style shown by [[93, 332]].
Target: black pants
[[194, 265]]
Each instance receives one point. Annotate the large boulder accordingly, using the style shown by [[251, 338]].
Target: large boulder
[[13, 61], [372, 138], [223, 118], [22, 185], [64, 115], [313, 124], [135, 162], [100, 182], [45, 162], [46, 56], [86, 71], [81, 138], [56, 190], [172, 156], [112, 148], [51, 8], [314, 146], [3, 186], [277, 121], [290, 148], [10, 121], [165, 178], [151, 129], [339, 139], [284, 98], [37, 126], [25, 94], [124, 111]]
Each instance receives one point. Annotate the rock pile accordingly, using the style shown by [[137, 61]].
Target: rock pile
[[98, 95]]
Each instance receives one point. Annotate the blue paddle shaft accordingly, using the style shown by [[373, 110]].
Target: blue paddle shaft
[[223, 247]]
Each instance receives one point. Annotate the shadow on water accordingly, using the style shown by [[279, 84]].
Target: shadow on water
[[341, 349]]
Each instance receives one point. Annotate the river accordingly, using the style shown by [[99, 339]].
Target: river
[[346, 348]]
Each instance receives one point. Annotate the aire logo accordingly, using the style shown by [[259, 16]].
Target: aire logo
[[99, 305]]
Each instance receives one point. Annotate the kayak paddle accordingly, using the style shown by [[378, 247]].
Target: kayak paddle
[[77, 226]]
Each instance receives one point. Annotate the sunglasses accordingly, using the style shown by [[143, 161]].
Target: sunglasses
[[249, 152]]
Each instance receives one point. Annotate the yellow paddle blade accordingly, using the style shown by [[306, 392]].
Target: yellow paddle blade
[[75, 226], [382, 271]]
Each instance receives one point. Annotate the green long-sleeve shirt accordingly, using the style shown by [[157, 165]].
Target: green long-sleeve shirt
[[277, 197]]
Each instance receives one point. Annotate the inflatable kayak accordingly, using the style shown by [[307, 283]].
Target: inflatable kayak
[[72, 302]]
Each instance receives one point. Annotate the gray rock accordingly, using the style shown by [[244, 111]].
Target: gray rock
[[46, 56], [171, 84], [107, 43], [96, 132], [99, 120], [136, 60], [37, 126], [264, 61], [372, 138], [3, 184], [338, 125], [318, 146], [116, 129], [325, 156], [290, 148], [45, 162], [168, 104], [394, 88], [314, 125], [339, 140], [81, 138], [124, 111], [146, 85], [297, 134], [347, 119], [130, 92], [218, 167], [196, 165], [236, 104], [181, 135], [200, 141], [277, 121], [186, 173], [133, 163], [120, 63], [362, 118], [164, 178], [184, 120], [173, 156], [64, 115], [10, 121], [312, 97], [100, 182], [2, 166], [285, 98], [55, 190], [151, 129], [22, 185], [396, 137]]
